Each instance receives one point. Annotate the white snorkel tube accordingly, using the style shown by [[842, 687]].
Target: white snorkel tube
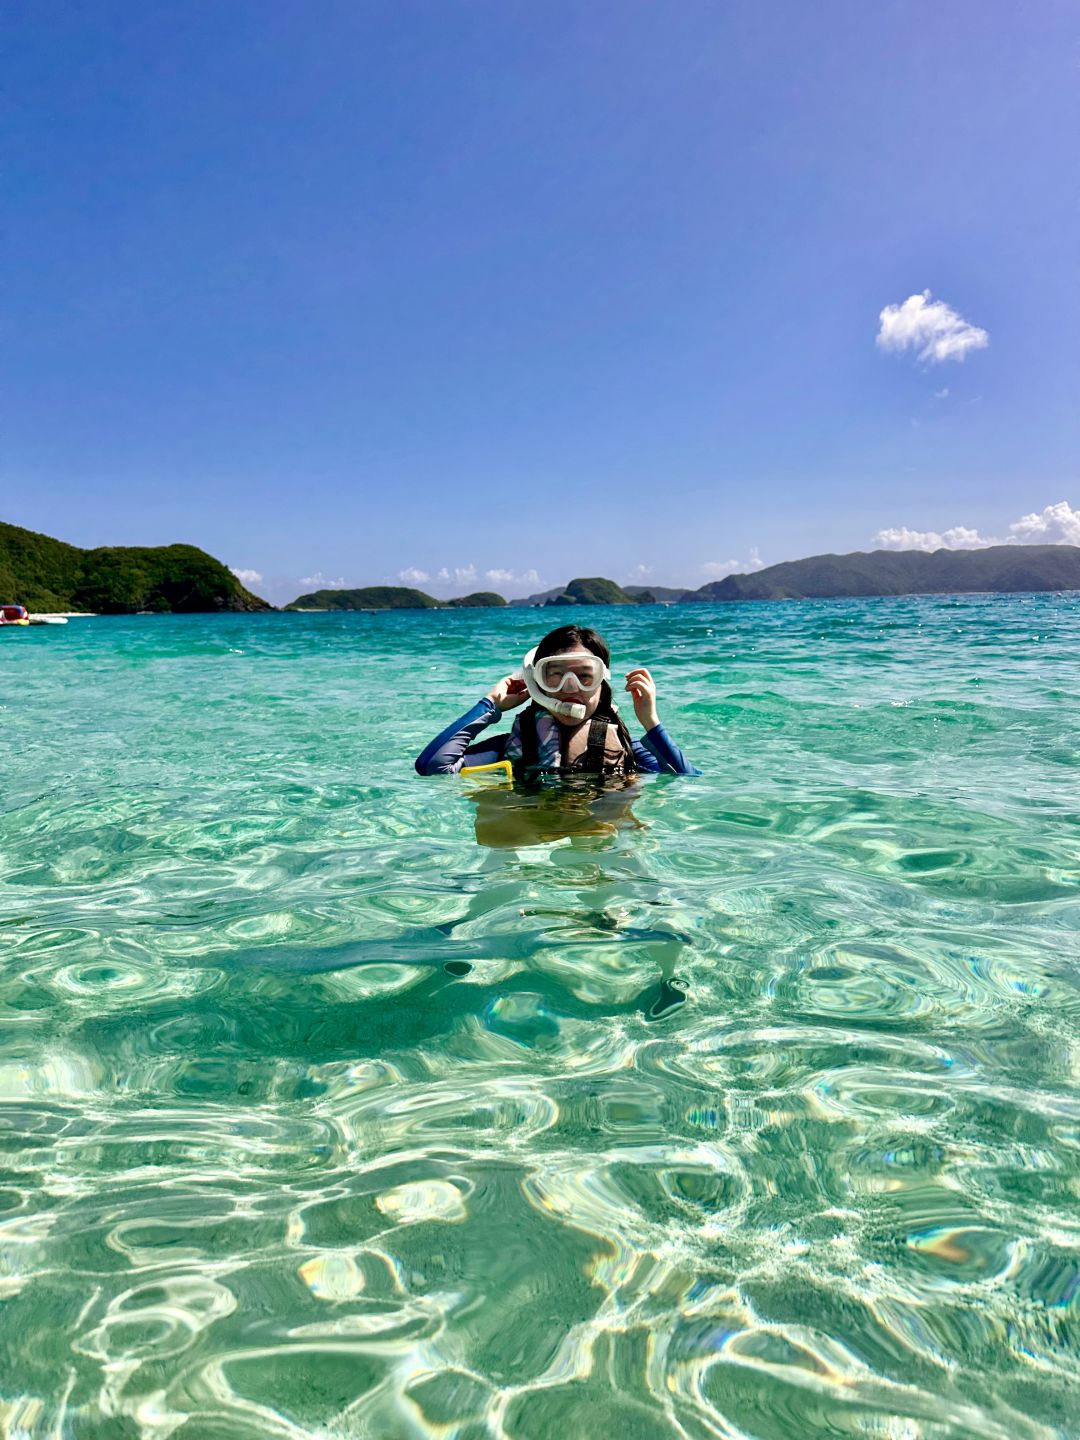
[[549, 702]]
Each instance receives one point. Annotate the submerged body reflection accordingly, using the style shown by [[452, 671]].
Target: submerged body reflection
[[589, 813], [512, 817]]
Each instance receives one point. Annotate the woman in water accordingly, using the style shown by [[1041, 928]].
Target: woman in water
[[571, 727]]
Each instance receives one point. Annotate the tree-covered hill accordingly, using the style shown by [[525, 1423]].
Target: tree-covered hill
[[479, 600], [541, 597], [369, 597], [46, 574], [655, 594], [1005, 569], [391, 597], [595, 590]]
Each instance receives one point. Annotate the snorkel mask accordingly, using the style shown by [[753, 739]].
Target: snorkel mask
[[548, 679]]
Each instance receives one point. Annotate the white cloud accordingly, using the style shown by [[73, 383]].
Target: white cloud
[[451, 579], [318, 581], [931, 328], [960, 537], [247, 577], [412, 575], [941, 394], [511, 577], [1055, 525], [717, 569], [459, 574], [469, 575]]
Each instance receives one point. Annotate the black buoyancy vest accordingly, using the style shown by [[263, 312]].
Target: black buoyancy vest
[[592, 761]]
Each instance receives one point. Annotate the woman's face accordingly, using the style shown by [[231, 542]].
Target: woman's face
[[573, 695]]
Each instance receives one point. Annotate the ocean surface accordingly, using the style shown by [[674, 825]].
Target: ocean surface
[[268, 1167]]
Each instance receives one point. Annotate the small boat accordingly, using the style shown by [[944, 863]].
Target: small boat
[[14, 615]]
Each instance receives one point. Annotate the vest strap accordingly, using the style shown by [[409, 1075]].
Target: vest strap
[[591, 762], [530, 743], [596, 747]]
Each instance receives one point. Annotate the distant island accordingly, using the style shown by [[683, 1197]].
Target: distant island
[[370, 597], [593, 590], [479, 600], [391, 597], [998, 569], [575, 592], [49, 575]]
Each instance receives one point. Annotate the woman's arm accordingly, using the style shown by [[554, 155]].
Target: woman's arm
[[446, 753], [657, 752], [665, 756]]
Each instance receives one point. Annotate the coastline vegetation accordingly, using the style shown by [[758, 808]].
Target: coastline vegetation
[[1003, 569], [368, 597], [50, 575], [595, 590], [479, 599]]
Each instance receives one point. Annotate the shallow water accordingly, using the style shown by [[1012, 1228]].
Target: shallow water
[[268, 1169]]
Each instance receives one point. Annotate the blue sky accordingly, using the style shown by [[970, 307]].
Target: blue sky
[[490, 288]]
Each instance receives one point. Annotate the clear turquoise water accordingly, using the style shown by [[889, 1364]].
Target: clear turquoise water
[[267, 1169]]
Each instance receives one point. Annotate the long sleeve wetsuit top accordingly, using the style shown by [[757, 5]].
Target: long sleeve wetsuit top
[[656, 754]]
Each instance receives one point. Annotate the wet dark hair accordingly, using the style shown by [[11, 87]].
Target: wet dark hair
[[567, 637]]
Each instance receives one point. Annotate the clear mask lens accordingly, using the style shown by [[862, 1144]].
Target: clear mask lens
[[565, 674]]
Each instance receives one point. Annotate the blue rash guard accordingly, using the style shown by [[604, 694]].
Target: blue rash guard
[[657, 754]]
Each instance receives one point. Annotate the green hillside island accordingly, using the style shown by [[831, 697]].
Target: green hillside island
[[590, 591], [479, 600], [655, 594], [369, 597], [392, 597], [600, 592], [999, 569], [594, 590], [45, 574]]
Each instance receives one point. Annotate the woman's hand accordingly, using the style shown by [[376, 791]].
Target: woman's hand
[[643, 689], [508, 694]]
